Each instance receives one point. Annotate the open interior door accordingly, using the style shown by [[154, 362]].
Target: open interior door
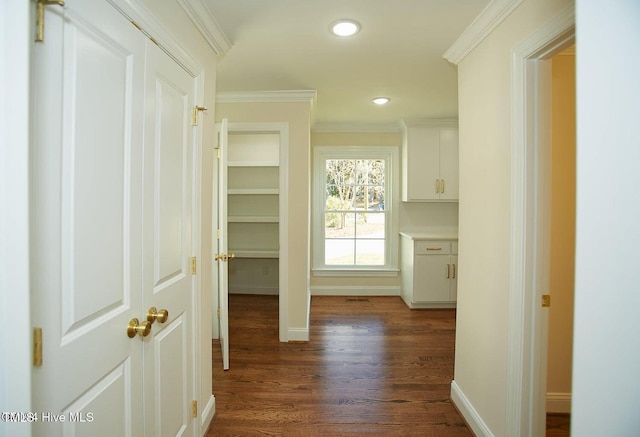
[[221, 256]]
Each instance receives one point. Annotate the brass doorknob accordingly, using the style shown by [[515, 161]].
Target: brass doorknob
[[136, 327], [161, 316]]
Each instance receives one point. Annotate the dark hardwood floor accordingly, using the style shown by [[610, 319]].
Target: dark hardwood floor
[[372, 366], [558, 425]]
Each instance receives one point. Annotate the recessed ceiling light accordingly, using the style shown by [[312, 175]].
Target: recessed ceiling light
[[345, 27], [381, 100]]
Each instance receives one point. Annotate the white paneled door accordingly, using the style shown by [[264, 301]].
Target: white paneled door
[[167, 248], [222, 241], [112, 198]]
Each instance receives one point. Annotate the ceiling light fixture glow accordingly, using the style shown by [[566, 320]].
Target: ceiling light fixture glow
[[381, 100], [345, 27]]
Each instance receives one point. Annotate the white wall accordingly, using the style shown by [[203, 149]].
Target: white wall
[[15, 323], [484, 78], [606, 370]]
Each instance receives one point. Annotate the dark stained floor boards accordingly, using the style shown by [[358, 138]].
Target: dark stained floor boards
[[372, 367]]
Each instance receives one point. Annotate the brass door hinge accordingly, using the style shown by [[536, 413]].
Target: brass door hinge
[[546, 301], [194, 408], [40, 16], [218, 154], [197, 109], [37, 347], [218, 312], [194, 264], [218, 234]]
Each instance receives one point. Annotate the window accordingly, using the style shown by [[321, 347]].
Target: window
[[354, 214]]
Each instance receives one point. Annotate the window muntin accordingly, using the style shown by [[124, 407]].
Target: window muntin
[[354, 216], [353, 209]]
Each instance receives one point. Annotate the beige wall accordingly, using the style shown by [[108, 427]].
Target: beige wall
[[298, 116], [178, 24], [484, 219], [563, 229], [411, 215]]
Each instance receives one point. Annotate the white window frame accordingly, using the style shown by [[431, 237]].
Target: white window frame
[[391, 155]]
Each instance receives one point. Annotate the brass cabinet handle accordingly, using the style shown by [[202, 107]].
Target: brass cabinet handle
[[154, 315], [448, 266], [136, 327], [434, 248], [454, 271], [437, 185], [442, 186], [224, 257]]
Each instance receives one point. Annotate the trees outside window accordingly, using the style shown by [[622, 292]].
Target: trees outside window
[[353, 207]]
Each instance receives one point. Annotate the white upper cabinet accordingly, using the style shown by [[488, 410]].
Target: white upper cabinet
[[430, 161]]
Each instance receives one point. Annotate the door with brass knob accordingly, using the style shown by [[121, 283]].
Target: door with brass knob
[[115, 229], [154, 315], [136, 327], [170, 267]]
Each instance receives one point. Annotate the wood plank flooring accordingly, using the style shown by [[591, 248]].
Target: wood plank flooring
[[372, 366]]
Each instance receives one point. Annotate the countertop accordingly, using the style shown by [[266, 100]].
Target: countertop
[[434, 233]]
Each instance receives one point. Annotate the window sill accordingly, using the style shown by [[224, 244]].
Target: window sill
[[361, 272]]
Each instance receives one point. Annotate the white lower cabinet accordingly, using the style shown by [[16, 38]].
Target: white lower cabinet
[[429, 270]]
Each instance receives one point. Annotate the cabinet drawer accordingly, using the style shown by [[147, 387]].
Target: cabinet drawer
[[433, 248]]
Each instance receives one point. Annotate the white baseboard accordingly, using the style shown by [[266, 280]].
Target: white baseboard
[[367, 290], [207, 414], [298, 334], [469, 413], [558, 402]]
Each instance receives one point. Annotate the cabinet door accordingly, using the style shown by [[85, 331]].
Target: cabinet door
[[454, 278], [449, 162], [431, 283], [422, 163]]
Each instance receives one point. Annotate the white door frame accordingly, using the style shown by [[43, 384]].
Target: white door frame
[[530, 179], [15, 320], [281, 128]]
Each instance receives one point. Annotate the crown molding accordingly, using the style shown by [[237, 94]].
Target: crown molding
[[205, 22], [490, 18], [283, 96], [422, 122], [145, 20], [356, 127]]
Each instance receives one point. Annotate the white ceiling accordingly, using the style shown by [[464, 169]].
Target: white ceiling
[[286, 45]]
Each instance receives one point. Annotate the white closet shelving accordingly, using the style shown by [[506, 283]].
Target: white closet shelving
[[253, 195]]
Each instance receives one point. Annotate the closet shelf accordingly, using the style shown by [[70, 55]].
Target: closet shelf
[[253, 163], [255, 253], [252, 219]]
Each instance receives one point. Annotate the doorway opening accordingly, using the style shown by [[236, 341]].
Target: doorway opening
[[530, 223]]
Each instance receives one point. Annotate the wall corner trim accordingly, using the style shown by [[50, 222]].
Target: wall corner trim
[[203, 19], [469, 413], [490, 18]]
